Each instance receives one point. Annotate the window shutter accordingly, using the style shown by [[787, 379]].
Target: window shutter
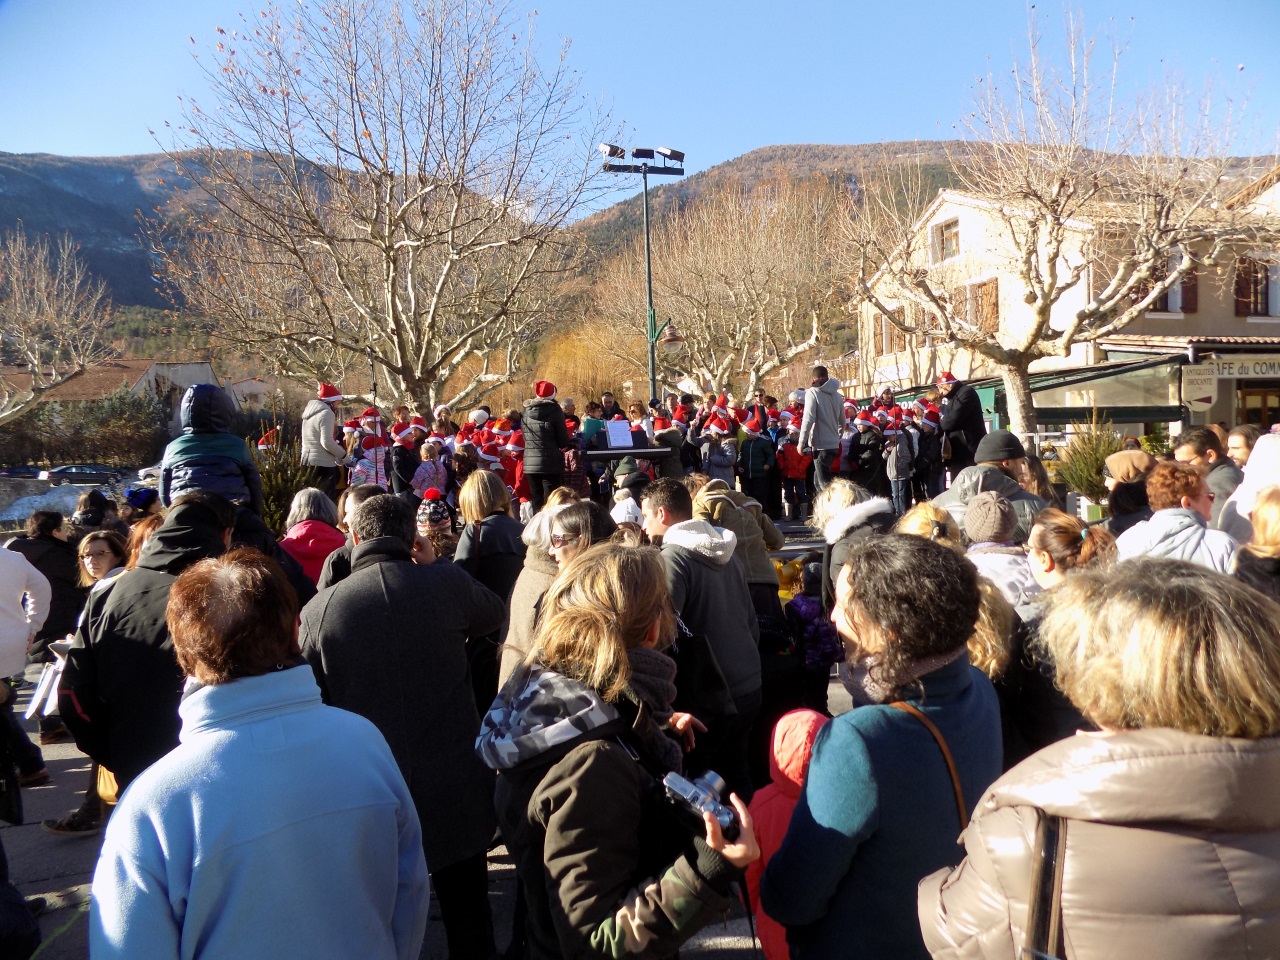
[[1191, 292], [989, 305], [1244, 286]]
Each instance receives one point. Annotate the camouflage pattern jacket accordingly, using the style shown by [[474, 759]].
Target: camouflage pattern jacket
[[606, 869]]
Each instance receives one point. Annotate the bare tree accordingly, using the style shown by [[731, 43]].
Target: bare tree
[[1096, 212], [746, 274], [52, 319], [387, 181]]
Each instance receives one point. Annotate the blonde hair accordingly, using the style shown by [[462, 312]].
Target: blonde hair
[[1265, 541], [1166, 643], [990, 644], [603, 603], [834, 497], [561, 496], [933, 523], [990, 647], [483, 495]]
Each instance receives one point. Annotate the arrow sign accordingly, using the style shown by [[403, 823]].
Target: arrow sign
[[1199, 386]]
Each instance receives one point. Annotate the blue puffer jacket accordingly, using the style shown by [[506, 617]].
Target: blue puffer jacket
[[278, 828], [207, 456]]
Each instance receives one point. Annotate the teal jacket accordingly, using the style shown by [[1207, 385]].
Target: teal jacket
[[756, 456], [876, 815]]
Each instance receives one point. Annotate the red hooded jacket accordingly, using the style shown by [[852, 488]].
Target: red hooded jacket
[[771, 810]]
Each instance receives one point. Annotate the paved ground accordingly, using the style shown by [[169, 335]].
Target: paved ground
[[60, 869]]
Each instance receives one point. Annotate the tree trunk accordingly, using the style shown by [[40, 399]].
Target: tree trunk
[[1017, 396]]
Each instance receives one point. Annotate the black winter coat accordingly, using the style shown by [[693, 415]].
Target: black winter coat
[[500, 558], [963, 424], [1261, 573], [388, 643], [120, 691], [57, 560], [545, 436]]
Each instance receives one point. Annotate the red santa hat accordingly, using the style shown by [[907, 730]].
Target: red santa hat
[[516, 442], [786, 416], [753, 427], [437, 438], [544, 390], [893, 428], [351, 426], [329, 393], [502, 428], [718, 425], [881, 415], [489, 452], [661, 423], [403, 436], [866, 418], [895, 412], [931, 418], [946, 377], [908, 412], [417, 423], [268, 440], [722, 405], [371, 445]]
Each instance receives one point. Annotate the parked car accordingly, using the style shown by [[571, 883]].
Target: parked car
[[150, 473], [29, 473], [93, 474]]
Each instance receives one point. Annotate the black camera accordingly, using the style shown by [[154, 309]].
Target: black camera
[[702, 795]]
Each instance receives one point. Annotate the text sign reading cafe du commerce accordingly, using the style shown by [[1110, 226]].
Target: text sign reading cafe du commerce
[[1247, 366]]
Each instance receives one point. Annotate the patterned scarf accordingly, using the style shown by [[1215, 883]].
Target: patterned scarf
[[857, 677]]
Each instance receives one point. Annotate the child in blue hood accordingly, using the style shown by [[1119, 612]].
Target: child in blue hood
[[208, 456]]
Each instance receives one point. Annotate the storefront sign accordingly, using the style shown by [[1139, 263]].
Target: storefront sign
[[1200, 385], [1244, 366]]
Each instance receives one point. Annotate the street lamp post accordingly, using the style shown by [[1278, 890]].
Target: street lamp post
[[675, 168]]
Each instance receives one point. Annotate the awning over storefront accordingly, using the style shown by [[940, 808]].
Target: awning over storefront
[[1128, 391]]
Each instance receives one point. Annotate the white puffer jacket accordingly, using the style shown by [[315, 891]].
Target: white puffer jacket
[[319, 448], [24, 604], [1178, 534]]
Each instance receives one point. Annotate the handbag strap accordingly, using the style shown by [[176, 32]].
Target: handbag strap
[[1044, 908], [938, 738]]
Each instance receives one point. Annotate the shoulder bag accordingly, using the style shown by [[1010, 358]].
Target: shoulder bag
[[1044, 909], [938, 738]]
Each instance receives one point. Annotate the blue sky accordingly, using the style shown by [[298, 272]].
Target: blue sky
[[716, 79]]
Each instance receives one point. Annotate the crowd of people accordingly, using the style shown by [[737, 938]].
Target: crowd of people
[[509, 630]]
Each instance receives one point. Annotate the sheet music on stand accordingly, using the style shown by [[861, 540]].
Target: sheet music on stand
[[618, 433]]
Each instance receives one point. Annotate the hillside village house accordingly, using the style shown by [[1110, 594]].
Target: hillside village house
[[164, 381], [1208, 353]]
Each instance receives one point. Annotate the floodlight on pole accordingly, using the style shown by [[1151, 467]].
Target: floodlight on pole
[[672, 339]]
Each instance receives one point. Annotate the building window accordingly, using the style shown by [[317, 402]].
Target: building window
[[946, 240], [1257, 288], [1183, 297], [978, 305]]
